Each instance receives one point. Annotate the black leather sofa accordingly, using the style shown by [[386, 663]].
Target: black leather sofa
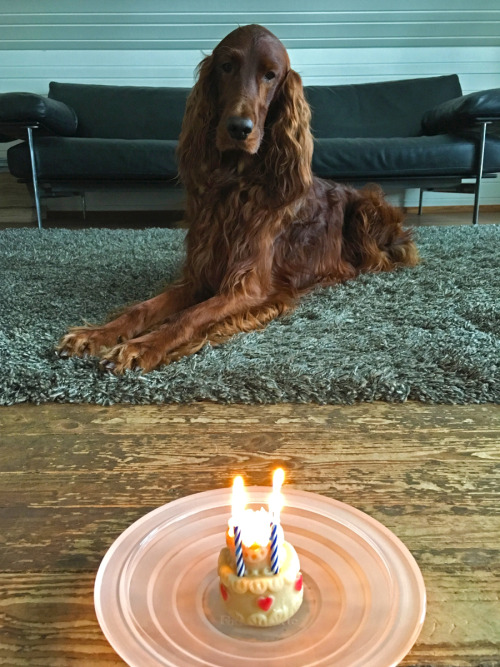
[[419, 133]]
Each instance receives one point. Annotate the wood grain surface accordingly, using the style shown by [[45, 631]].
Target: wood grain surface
[[73, 477]]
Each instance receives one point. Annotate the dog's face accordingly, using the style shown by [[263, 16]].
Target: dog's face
[[249, 67]]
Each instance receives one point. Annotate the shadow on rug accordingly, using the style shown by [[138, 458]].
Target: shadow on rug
[[431, 333]]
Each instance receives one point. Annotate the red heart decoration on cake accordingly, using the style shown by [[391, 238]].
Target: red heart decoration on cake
[[265, 603], [223, 591], [298, 583]]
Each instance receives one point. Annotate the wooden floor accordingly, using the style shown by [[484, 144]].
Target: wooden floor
[[429, 473], [451, 216]]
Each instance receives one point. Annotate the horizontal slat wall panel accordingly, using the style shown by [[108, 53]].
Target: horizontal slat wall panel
[[478, 68], [180, 37], [155, 24], [229, 7]]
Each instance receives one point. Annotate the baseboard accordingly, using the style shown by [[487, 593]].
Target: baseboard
[[114, 219], [490, 208], [13, 193], [14, 215]]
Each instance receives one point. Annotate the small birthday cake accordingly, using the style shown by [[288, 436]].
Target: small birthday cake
[[260, 577], [260, 597]]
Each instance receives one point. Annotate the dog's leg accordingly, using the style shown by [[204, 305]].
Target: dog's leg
[[222, 331], [187, 331], [93, 340]]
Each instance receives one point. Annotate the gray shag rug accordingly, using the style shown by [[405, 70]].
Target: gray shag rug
[[431, 333]]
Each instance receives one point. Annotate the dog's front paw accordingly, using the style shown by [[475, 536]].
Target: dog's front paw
[[87, 340], [135, 355]]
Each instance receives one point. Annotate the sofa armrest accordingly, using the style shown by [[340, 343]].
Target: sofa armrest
[[463, 112], [20, 110]]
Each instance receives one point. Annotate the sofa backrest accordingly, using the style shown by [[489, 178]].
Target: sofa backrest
[[124, 112], [386, 109]]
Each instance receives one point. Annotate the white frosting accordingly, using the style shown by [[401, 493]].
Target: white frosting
[[261, 598]]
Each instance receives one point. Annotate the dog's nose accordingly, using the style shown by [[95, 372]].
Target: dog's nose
[[239, 128]]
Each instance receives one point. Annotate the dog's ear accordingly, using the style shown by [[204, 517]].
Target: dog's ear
[[196, 150], [289, 142]]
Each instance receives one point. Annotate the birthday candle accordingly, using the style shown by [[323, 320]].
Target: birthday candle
[[238, 552], [275, 567], [278, 478], [238, 506]]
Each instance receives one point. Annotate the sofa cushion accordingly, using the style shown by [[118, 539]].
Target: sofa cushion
[[124, 112], [386, 109], [72, 158], [436, 155]]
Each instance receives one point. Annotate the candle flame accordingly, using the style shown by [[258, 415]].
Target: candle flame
[[278, 479], [276, 499], [255, 525], [238, 499]]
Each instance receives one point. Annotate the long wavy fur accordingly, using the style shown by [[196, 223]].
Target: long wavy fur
[[196, 149], [289, 145]]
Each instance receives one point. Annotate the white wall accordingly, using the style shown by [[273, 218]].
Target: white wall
[[155, 42]]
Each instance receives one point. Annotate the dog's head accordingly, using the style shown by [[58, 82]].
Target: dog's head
[[247, 100], [248, 69]]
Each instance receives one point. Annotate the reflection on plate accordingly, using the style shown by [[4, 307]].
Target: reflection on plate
[[157, 594]]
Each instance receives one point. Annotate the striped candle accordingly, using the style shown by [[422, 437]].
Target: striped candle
[[238, 552], [275, 507], [275, 565], [238, 502]]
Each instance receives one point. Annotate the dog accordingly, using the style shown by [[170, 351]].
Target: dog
[[262, 229]]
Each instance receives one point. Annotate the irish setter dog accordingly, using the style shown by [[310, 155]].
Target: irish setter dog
[[262, 230]]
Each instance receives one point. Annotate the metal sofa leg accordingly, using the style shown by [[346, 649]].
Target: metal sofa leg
[[35, 177], [479, 175], [420, 201]]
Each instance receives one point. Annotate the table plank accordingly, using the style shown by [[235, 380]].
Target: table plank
[[54, 614], [363, 418]]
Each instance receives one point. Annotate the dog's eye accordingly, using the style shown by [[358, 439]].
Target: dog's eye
[[227, 67], [269, 76]]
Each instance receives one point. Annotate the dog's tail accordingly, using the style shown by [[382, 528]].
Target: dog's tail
[[373, 236]]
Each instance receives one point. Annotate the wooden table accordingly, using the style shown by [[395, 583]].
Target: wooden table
[[72, 478]]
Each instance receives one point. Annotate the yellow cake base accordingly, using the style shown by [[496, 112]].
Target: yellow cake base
[[261, 598]]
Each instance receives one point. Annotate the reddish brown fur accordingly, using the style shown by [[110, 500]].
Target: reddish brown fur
[[262, 229]]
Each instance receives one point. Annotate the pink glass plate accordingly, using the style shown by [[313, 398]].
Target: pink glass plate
[[158, 603]]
